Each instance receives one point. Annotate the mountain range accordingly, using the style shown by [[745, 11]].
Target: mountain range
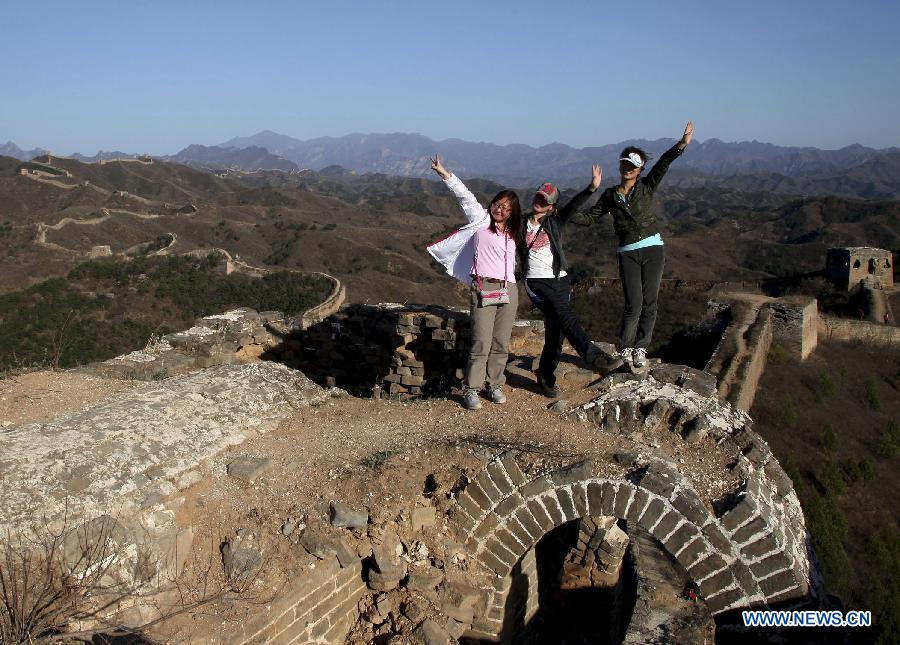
[[854, 171], [407, 155]]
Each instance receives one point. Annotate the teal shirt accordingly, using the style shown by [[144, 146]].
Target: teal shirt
[[653, 240]]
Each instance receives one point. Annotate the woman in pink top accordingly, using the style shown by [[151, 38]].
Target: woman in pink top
[[483, 251]]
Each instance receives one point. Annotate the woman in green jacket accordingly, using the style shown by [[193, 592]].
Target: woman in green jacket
[[640, 250]]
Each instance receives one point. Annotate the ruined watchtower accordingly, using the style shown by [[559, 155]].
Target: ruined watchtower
[[858, 265]]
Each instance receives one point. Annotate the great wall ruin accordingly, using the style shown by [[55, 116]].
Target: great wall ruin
[[392, 514], [666, 459]]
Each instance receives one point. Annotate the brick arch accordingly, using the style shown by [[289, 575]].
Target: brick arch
[[736, 559]]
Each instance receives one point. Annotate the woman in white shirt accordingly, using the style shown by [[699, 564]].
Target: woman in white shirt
[[543, 264]]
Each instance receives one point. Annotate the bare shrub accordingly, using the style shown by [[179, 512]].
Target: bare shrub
[[75, 583]]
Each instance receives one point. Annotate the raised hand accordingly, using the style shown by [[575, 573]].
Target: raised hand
[[596, 176], [438, 167], [688, 134]]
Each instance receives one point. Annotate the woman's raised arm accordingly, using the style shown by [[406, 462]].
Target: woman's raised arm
[[472, 209]]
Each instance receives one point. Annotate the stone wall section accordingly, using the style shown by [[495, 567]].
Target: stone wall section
[[759, 342], [857, 330], [751, 551], [319, 607], [328, 307], [389, 350], [795, 325]]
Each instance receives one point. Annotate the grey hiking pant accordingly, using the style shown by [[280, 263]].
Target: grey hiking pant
[[641, 272], [491, 329]]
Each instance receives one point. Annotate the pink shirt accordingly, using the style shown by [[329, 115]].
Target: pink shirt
[[490, 255]]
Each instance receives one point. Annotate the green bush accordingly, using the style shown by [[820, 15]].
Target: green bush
[[778, 355], [873, 398], [889, 441], [832, 479], [829, 437], [107, 307], [787, 411]]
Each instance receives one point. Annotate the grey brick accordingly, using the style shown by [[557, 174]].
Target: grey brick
[[543, 519], [461, 519], [487, 526], [498, 475], [659, 479], [565, 503], [701, 382], [494, 563], [468, 504], [688, 504], [579, 499], [478, 495], [623, 497], [572, 473], [508, 459], [641, 497], [708, 565], [529, 523], [608, 498], [494, 494], [761, 547], [724, 600], [716, 583], [551, 503], [594, 498], [744, 577], [509, 505], [493, 545], [746, 532], [508, 540], [685, 533], [693, 551], [536, 487], [779, 582], [772, 564], [783, 483], [666, 525], [717, 538], [743, 510], [654, 509], [515, 527]]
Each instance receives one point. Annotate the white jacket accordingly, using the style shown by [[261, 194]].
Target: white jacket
[[457, 251]]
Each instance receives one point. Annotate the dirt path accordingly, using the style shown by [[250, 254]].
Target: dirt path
[[39, 396], [729, 376], [879, 304], [51, 182]]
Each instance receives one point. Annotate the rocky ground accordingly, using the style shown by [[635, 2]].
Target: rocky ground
[[398, 463], [31, 397]]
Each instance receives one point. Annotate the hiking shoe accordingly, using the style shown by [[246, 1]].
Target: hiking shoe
[[601, 361], [496, 395], [471, 400], [639, 357], [550, 391]]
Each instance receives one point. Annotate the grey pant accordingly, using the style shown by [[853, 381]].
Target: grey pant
[[491, 329], [641, 271]]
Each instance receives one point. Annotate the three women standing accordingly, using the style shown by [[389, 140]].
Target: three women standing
[[482, 254]]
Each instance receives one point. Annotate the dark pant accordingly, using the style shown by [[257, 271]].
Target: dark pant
[[641, 271], [552, 296]]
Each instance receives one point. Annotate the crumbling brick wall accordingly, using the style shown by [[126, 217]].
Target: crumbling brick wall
[[389, 350]]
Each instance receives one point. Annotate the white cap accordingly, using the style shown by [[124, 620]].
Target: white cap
[[634, 159]]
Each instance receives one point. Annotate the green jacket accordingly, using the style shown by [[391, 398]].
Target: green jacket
[[633, 219]]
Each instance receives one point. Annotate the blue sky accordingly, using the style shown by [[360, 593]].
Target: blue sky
[[156, 76]]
